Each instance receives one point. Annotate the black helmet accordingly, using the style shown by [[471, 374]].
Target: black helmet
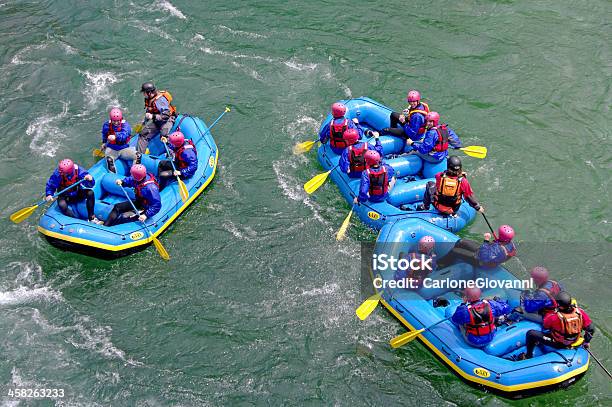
[[564, 300], [453, 163], [147, 87]]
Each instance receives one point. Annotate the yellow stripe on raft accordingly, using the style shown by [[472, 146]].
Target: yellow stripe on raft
[[511, 388], [116, 248]]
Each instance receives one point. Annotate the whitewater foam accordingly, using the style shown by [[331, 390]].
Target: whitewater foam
[[23, 294], [242, 33], [166, 5], [46, 134]]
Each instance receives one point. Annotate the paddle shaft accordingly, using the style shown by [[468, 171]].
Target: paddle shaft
[[136, 209], [61, 192], [218, 118], [490, 227], [599, 363], [169, 157]]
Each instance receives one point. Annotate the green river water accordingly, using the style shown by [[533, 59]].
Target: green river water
[[256, 306]]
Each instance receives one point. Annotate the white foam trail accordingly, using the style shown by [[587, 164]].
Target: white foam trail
[[97, 339], [46, 134], [17, 58], [251, 72], [247, 234], [327, 289], [98, 87], [292, 64], [166, 5], [153, 30], [300, 67], [24, 294], [243, 33]]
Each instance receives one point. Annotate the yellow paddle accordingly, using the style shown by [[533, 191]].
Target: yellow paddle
[[160, 248], [409, 336], [316, 181], [368, 306], [25, 213], [342, 231], [182, 187], [475, 151], [303, 147], [97, 153]]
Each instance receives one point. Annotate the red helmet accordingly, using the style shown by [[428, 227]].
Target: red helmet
[[472, 293], [66, 166], [413, 96], [434, 117], [351, 136], [539, 275], [372, 158], [505, 233], [115, 114], [338, 110], [138, 171], [426, 244], [177, 139]]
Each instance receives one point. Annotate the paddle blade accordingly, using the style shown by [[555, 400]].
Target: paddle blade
[[315, 182], [475, 151], [22, 214], [342, 231], [161, 249], [138, 128], [183, 189], [367, 307], [304, 147], [97, 152], [404, 338]]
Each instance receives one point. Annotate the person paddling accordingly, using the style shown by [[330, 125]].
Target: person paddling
[[352, 161], [376, 181], [116, 135], [335, 130], [493, 253], [185, 159], [438, 138], [68, 173]]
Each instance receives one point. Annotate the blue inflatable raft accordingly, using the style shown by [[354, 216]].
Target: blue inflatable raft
[[107, 242], [495, 366], [411, 171]]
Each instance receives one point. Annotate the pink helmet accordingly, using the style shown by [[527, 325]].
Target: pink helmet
[[177, 139], [338, 110], [426, 244], [413, 96], [472, 293], [539, 274], [505, 233], [434, 117], [66, 166], [372, 158], [351, 136], [138, 171], [115, 114]]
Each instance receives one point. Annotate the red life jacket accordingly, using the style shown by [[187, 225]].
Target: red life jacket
[[570, 327], [422, 112], [482, 321], [418, 274], [551, 293], [357, 157], [379, 180], [448, 193], [151, 107], [336, 134], [180, 163], [442, 142], [111, 130], [149, 179], [65, 182], [509, 248]]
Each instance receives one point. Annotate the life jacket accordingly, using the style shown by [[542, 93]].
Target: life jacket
[[442, 141], [152, 108], [150, 179], [551, 293], [188, 145], [423, 112], [448, 193], [357, 157], [111, 130], [336, 134], [65, 182], [509, 248], [379, 180], [571, 327], [482, 321], [420, 273]]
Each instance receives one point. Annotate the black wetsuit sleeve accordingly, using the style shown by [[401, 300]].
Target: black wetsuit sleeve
[[589, 331]]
